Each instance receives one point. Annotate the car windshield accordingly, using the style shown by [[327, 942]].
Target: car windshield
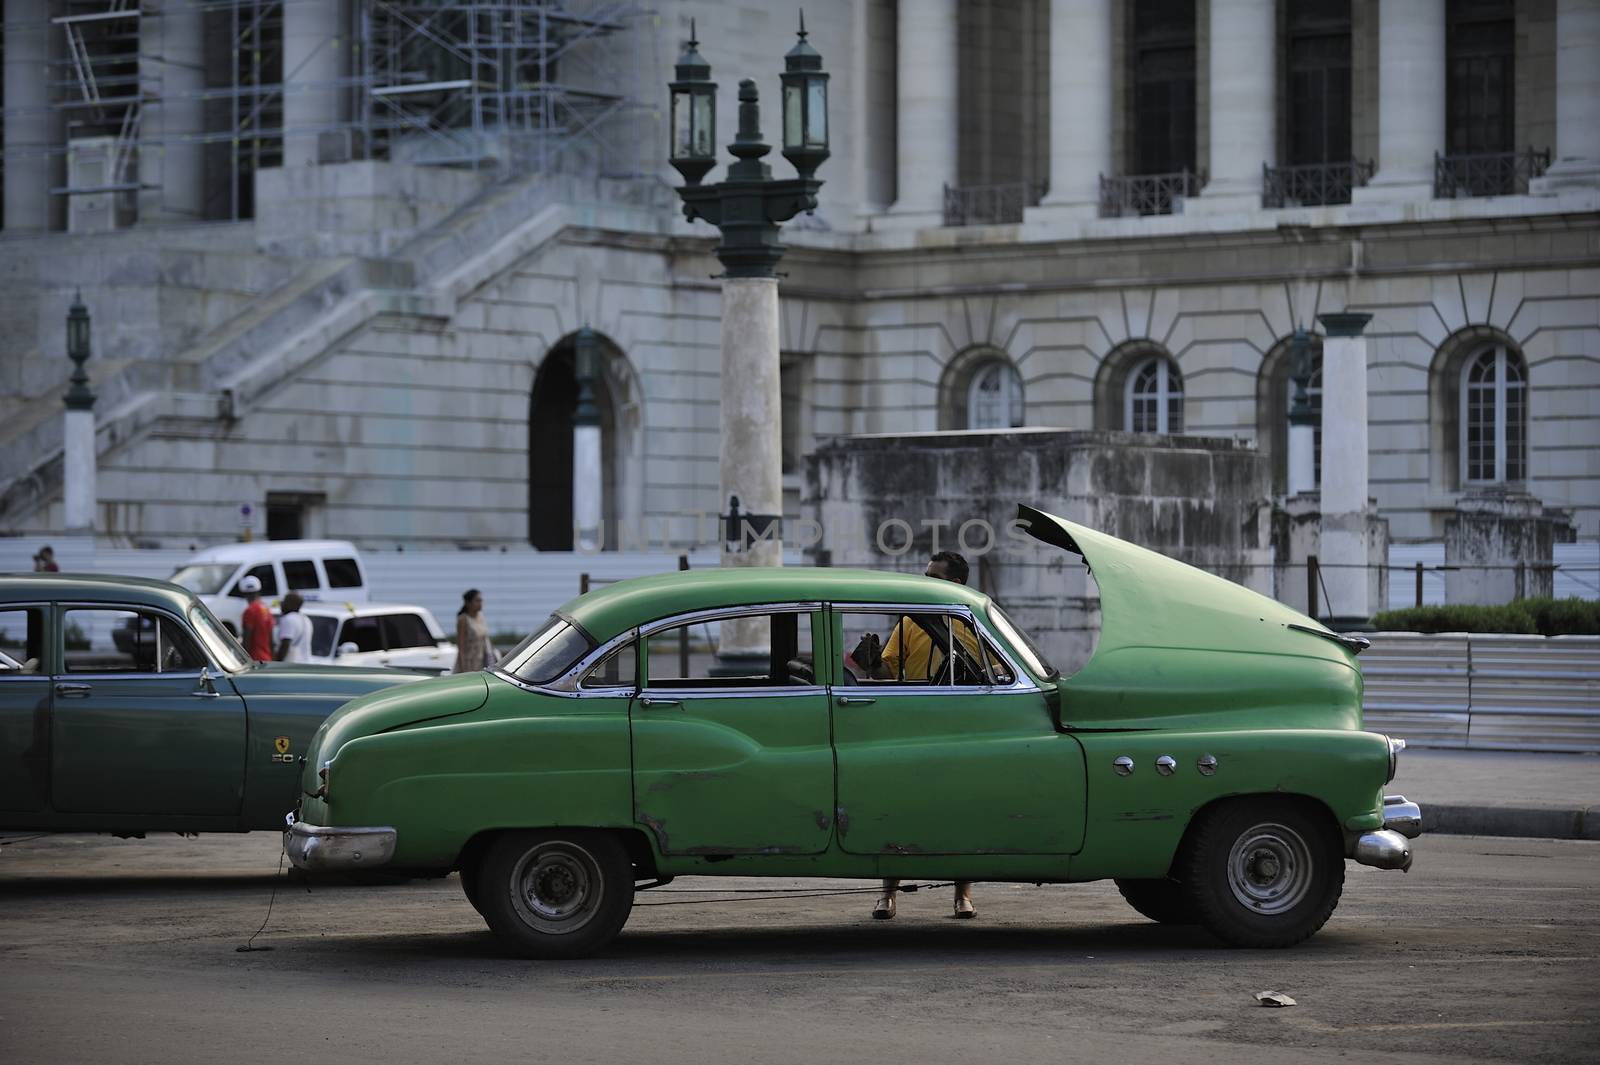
[[204, 578], [1031, 655], [545, 655], [224, 648]]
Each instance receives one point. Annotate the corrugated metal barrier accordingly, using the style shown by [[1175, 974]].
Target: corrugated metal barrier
[[1490, 691]]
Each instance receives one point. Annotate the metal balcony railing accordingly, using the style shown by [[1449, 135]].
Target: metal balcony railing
[[988, 205], [1312, 184], [1129, 195], [1486, 173]]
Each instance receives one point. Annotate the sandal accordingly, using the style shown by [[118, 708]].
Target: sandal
[[965, 910], [884, 909]]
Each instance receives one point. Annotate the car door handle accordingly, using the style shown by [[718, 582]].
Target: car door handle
[[855, 700], [72, 691], [656, 700]]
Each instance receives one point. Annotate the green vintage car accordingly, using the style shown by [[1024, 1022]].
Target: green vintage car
[[1209, 757], [126, 707]]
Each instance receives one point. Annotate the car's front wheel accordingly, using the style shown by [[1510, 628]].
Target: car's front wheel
[[1264, 873], [1163, 901], [555, 893]]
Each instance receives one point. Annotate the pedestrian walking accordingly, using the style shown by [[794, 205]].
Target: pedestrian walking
[[294, 631], [257, 621], [473, 649], [45, 560]]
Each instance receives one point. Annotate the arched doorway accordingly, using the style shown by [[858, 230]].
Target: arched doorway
[[550, 409]]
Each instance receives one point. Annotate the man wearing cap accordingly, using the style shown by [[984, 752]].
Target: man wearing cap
[[257, 621]]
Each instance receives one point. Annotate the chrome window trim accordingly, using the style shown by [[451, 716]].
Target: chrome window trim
[[697, 617], [205, 652], [770, 690], [1022, 682]]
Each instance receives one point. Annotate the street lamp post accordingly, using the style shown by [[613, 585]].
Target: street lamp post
[[747, 208], [1302, 418], [78, 458]]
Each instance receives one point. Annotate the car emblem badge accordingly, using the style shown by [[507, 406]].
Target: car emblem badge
[[281, 744]]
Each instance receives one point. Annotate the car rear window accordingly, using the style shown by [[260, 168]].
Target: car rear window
[[342, 572], [301, 575], [406, 630], [363, 632], [549, 652]]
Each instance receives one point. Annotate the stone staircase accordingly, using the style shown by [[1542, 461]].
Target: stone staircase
[[228, 367]]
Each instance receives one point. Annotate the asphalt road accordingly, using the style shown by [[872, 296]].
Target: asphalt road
[[124, 951]]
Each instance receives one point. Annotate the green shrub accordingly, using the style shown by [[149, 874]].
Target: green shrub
[[1542, 616], [74, 637]]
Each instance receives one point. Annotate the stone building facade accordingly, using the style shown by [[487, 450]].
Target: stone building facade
[[382, 351]]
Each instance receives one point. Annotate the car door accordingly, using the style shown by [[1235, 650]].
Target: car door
[[24, 707], [135, 729], [950, 748], [731, 752]]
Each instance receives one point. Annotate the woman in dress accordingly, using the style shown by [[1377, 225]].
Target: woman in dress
[[473, 651]]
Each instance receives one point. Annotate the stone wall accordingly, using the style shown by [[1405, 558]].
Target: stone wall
[[889, 501]]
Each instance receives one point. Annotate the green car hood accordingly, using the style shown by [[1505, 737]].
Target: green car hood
[[1182, 647], [384, 711]]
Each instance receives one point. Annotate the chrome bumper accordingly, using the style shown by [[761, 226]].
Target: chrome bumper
[[1390, 847], [314, 848]]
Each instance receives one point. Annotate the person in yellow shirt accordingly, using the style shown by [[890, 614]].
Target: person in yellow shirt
[[910, 655]]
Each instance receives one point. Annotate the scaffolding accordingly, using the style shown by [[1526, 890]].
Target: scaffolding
[[514, 86]]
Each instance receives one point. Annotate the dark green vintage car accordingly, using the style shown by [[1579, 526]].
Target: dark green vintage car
[[1209, 757], [126, 707]]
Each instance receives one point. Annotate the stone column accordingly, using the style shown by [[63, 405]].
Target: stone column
[[1411, 114], [1080, 108], [172, 77], [1345, 509], [926, 139], [30, 127], [1577, 163], [588, 477], [752, 436], [314, 52], [1244, 88]]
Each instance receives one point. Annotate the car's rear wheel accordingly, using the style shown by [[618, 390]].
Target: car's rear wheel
[[1163, 901], [1264, 873], [555, 893]]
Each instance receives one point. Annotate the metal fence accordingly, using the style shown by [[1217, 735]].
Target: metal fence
[[1486, 691], [1312, 184], [1131, 195], [985, 205], [1486, 173]]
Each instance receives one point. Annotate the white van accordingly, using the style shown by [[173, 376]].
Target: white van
[[317, 569]]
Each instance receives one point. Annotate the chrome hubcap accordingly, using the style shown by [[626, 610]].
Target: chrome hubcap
[[1269, 868], [556, 887]]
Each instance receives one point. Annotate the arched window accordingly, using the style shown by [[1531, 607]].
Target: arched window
[[1153, 402], [1494, 417], [981, 389], [994, 397]]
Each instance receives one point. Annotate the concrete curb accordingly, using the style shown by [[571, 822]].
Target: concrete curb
[[1541, 822]]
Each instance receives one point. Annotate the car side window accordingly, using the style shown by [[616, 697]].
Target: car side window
[[342, 572], [111, 640], [763, 650], [322, 630], [21, 641], [364, 633], [619, 669], [406, 630], [262, 573], [930, 648], [301, 575]]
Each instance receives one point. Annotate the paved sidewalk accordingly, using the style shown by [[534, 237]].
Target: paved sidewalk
[[1502, 793]]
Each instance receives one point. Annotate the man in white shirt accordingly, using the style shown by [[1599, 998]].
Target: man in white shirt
[[294, 631]]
